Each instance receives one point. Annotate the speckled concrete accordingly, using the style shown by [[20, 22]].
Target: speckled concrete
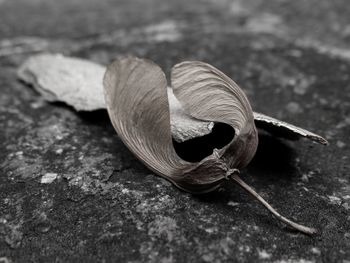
[[70, 190]]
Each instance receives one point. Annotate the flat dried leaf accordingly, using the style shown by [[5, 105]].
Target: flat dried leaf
[[75, 81], [183, 126]]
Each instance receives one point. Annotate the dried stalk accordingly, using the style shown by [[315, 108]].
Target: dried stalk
[[255, 195]]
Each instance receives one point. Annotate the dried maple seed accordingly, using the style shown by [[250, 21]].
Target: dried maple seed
[[78, 83], [137, 103]]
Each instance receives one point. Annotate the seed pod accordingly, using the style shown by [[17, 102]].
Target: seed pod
[[136, 97], [137, 104]]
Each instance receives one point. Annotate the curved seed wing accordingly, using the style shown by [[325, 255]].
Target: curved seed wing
[[136, 97], [208, 94], [137, 103]]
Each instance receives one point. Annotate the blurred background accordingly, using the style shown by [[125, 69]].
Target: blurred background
[[265, 47]]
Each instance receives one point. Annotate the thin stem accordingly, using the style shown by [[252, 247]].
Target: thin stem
[[301, 228]]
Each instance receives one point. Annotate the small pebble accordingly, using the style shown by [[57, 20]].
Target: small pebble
[[315, 251], [59, 151], [231, 203], [263, 254], [211, 230], [334, 200], [37, 104], [305, 178], [48, 178]]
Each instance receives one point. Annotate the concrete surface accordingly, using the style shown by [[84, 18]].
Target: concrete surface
[[71, 192]]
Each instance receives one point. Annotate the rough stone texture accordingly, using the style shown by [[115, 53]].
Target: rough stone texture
[[291, 57]]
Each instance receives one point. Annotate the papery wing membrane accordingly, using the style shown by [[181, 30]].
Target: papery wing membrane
[[136, 98], [208, 94]]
